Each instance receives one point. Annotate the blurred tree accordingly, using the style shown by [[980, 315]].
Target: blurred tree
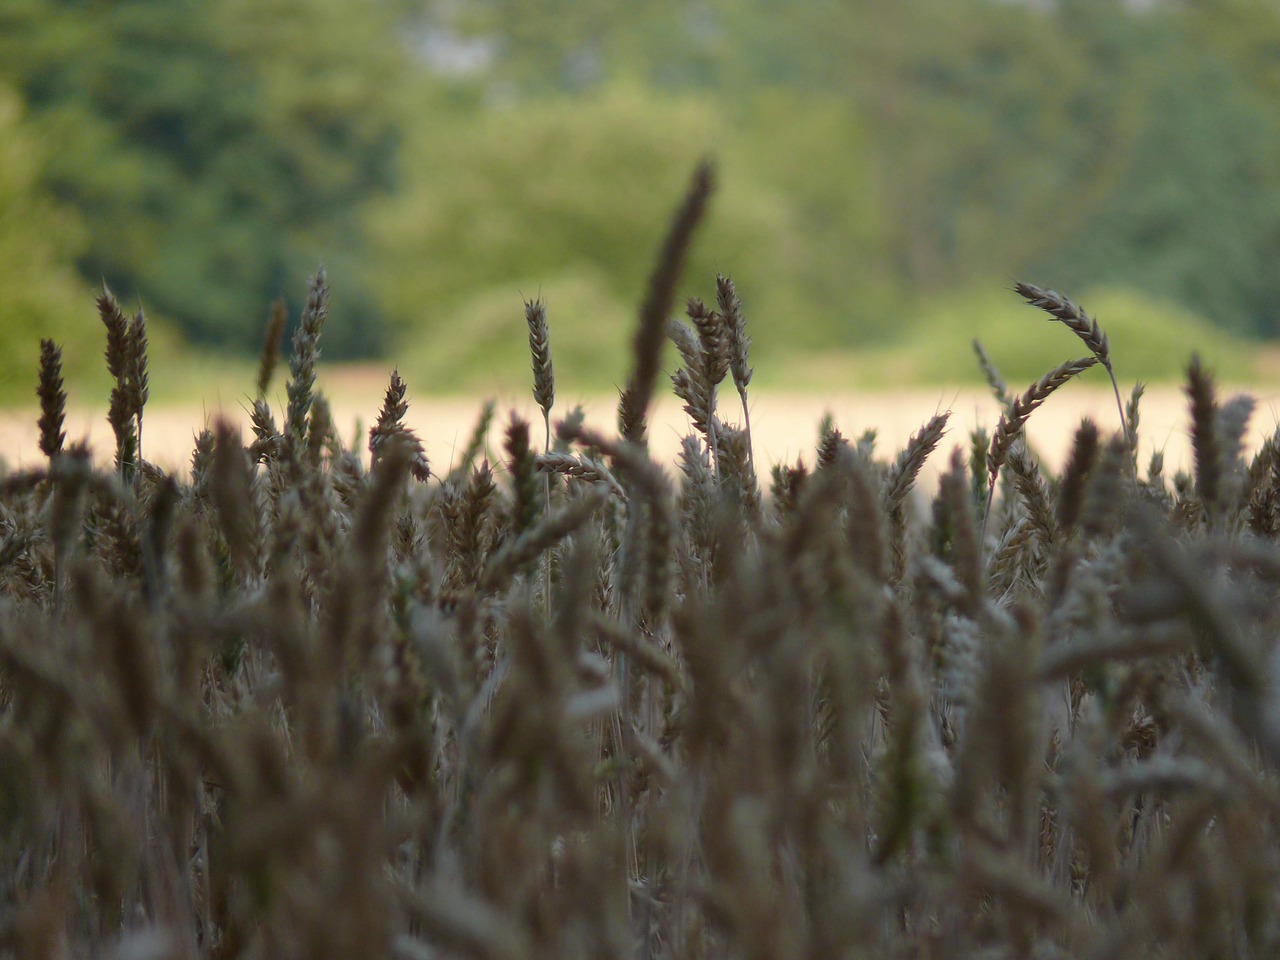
[[1184, 201], [572, 193], [40, 295], [1245, 34], [216, 150], [872, 153], [1084, 140]]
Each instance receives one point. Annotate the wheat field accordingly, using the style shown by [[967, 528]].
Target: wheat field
[[310, 695], [784, 424]]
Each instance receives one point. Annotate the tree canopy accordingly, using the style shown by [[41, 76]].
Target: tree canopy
[[40, 294], [440, 159], [216, 151]]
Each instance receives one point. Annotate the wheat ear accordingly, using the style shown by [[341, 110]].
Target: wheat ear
[[302, 363], [120, 364], [544, 381], [738, 348], [390, 428], [1083, 326], [902, 475], [994, 380], [139, 379], [53, 400], [1015, 418], [544, 394], [1206, 444], [633, 407], [272, 342]]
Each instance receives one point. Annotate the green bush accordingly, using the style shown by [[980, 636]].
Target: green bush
[[40, 294], [213, 149], [558, 194], [1149, 338]]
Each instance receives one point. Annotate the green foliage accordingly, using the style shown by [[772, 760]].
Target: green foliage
[[871, 153], [1150, 340], [589, 321], [1189, 208], [1088, 141], [213, 149], [40, 295], [556, 196]]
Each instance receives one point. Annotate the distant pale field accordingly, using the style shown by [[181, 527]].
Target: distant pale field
[[784, 425]]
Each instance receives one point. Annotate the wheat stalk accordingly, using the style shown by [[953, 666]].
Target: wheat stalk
[[633, 407], [994, 380]]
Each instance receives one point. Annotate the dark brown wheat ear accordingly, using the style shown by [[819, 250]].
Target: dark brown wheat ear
[[902, 475], [738, 347], [544, 381], [544, 394], [1206, 444], [1015, 418], [272, 341], [390, 428], [1083, 326], [124, 366], [302, 363], [53, 400]]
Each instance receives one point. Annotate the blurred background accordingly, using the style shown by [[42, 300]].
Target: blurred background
[[886, 171]]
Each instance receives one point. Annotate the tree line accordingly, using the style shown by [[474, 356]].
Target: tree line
[[202, 156]]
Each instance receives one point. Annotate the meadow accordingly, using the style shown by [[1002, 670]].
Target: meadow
[[296, 696]]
